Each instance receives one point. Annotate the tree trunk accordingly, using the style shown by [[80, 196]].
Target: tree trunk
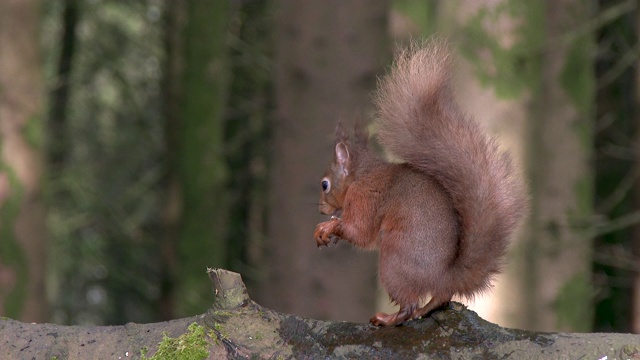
[[23, 245], [196, 200], [635, 239], [558, 256], [247, 129], [328, 54], [534, 76], [57, 122], [236, 327]]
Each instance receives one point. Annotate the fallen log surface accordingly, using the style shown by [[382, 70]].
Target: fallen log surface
[[235, 327]]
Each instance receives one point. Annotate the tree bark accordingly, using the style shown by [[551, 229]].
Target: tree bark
[[196, 95], [23, 240], [57, 123], [561, 126], [237, 327], [328, 54], [635, 193]]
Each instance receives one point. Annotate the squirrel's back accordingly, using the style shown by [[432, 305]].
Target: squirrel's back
[[419, 122]]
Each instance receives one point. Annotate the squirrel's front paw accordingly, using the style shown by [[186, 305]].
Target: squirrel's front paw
[[325, 231]]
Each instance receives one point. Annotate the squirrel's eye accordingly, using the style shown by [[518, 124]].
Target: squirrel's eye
[[326, 185]]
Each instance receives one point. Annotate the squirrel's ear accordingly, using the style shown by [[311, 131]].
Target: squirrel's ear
[[342, 157]]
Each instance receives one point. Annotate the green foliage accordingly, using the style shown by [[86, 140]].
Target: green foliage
[[578, 79], [33, 131], [578, 82], [192, 345], [513, 66], [423, 13]]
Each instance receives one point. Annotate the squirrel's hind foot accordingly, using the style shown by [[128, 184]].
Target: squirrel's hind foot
[[408, 312], [434, 303], [383, 319]]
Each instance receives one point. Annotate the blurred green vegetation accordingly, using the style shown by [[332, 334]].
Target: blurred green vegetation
[[104, 195], [107, 186]]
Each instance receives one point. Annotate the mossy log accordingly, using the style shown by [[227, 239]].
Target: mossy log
[[236, 327]]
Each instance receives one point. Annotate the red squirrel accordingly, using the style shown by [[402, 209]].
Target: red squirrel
[[441, 219]]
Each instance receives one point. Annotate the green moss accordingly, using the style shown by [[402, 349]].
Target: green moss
[[212, 335], [191, 345], [222, 313], [573, 304], [221, 333], [631, 350]]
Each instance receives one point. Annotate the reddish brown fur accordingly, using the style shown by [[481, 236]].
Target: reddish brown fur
[[442, 220]]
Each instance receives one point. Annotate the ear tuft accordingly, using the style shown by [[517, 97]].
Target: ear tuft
[[361, 134], [340, 134]]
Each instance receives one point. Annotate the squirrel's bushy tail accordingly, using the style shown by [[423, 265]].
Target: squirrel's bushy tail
[[419, 121]]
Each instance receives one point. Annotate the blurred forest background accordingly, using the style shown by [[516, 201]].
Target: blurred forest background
[[144, 141]]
